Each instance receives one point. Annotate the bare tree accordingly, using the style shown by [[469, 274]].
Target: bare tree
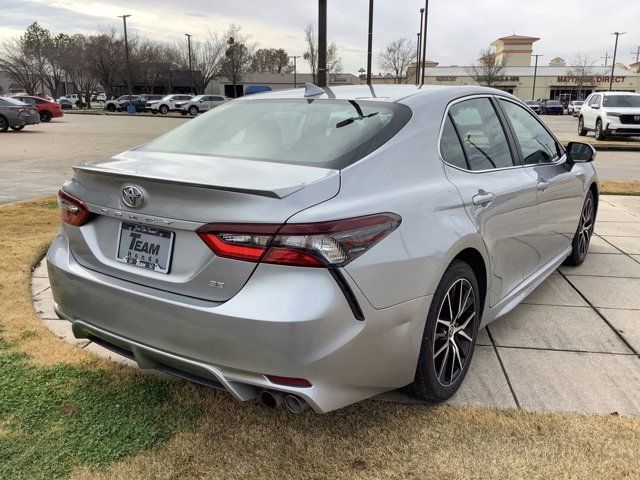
[[581, 71], [238, 56], [271, 60], [207, 59], [397, 57], [489, 69], [77, 62], [334, 61], [108, 54], [15, 60]]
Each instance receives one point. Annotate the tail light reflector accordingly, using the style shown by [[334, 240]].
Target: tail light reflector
[[290, 381], [72, 210], [322, 244]]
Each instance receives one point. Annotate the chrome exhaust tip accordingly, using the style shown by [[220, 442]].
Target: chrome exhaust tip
[[271, 399], [295, 404]]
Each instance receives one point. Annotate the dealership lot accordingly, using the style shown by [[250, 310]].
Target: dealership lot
[[36, 161]]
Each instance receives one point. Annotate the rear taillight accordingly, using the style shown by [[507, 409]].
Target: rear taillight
[[72, 210], [323, 244]]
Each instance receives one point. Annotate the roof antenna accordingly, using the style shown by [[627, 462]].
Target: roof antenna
[[311, 90]]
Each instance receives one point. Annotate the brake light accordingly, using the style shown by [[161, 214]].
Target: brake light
[[322, 244], [72, 210]]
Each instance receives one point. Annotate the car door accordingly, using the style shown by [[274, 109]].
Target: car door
[[559, 188], [498, 195], [590, 115]]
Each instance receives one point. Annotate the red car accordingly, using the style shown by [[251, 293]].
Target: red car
[[46, 108]]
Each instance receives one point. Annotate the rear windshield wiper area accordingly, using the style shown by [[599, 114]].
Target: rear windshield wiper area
[[350, 120]]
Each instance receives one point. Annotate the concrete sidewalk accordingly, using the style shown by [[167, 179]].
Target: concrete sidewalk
[[573, 345]]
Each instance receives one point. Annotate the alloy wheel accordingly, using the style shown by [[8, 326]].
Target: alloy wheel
[[454, 332], [586, 227]]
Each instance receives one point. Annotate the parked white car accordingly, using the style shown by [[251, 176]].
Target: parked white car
[[73, 98], [610, 113], [200, 103], [574, 107], [167, 103]]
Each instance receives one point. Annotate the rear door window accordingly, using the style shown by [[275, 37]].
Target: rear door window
[[482, 134], [450, 147]]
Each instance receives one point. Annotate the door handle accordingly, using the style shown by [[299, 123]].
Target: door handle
[[543, 185], [483, 198]]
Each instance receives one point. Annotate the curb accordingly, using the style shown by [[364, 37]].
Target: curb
[[122, 114]]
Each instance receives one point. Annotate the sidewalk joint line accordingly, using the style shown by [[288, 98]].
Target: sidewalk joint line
[[504, 370]]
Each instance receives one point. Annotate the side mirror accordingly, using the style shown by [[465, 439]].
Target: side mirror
[[596, 107], [578, 152]]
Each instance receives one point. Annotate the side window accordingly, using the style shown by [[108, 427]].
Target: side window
[[450, 146], [595, 101], [483, 138], [537, 145]]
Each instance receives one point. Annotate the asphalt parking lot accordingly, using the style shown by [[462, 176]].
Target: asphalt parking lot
[[36, 161]]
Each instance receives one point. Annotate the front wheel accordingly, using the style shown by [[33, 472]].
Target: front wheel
[[111, 108], [600, 133], [449, 336], [45, 116], [4, 124], [163, 109], [582, 237], [581, 130], [193, 110]]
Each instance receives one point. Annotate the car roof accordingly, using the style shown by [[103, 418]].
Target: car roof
[[379, 92], [618, 93]]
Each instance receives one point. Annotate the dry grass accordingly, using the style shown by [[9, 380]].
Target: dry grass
[[614, 187], [368, 440]]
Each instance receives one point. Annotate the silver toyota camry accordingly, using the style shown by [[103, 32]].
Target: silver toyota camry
[[316, 247]]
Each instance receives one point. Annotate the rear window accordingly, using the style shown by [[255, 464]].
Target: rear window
[[12, 101], [621, 101], [322, 133]]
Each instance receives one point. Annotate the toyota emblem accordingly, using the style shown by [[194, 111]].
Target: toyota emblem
[[132, 196]]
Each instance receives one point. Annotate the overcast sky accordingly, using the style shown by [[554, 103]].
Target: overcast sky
[[458, 29]]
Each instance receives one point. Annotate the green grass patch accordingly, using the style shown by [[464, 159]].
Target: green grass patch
[[58, 417]]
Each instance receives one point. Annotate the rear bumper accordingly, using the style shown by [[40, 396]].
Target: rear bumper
[[286, 321], [31, 119], [16, 121]]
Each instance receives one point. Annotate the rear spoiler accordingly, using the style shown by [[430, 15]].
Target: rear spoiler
[[278, 192]]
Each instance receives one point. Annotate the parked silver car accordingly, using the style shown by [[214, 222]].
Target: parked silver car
[[320, 246], [15, 114]]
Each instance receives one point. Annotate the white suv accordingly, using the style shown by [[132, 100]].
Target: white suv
[[167, 103], [201, 103], [610, 113]]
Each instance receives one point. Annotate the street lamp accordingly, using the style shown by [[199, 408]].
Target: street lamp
[[424, 38], [370, 42], [615, 51], [535, 74], [295, 70], [188, 35], [130, 108], [419, 47]]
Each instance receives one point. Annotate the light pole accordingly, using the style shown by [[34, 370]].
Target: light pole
[[322, 43], [130, 108], [613, 64], [424, 38], [188, 35], [535, 74], [419, 47], [370, 42], [295, 70], [606, 57]]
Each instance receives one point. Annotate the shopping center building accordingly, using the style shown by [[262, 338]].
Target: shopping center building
[[554, 79]]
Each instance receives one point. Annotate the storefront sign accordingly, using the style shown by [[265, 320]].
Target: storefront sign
[[588, 80], [501, 79], [446, 79]]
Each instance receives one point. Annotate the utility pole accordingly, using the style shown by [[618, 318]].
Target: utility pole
[[191, 88], [130, 108], [606, 57], [637, 54], [535, 74], [615, 51], [370, 42], [424, 38], [322, 43], [295, 70], [418, 63]]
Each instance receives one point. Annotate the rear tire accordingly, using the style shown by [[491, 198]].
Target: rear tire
[[582, 238], [17, 129], [600, 132], [449, 335], [111, 108], [4, 124], [581, 130], [45, 117]]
